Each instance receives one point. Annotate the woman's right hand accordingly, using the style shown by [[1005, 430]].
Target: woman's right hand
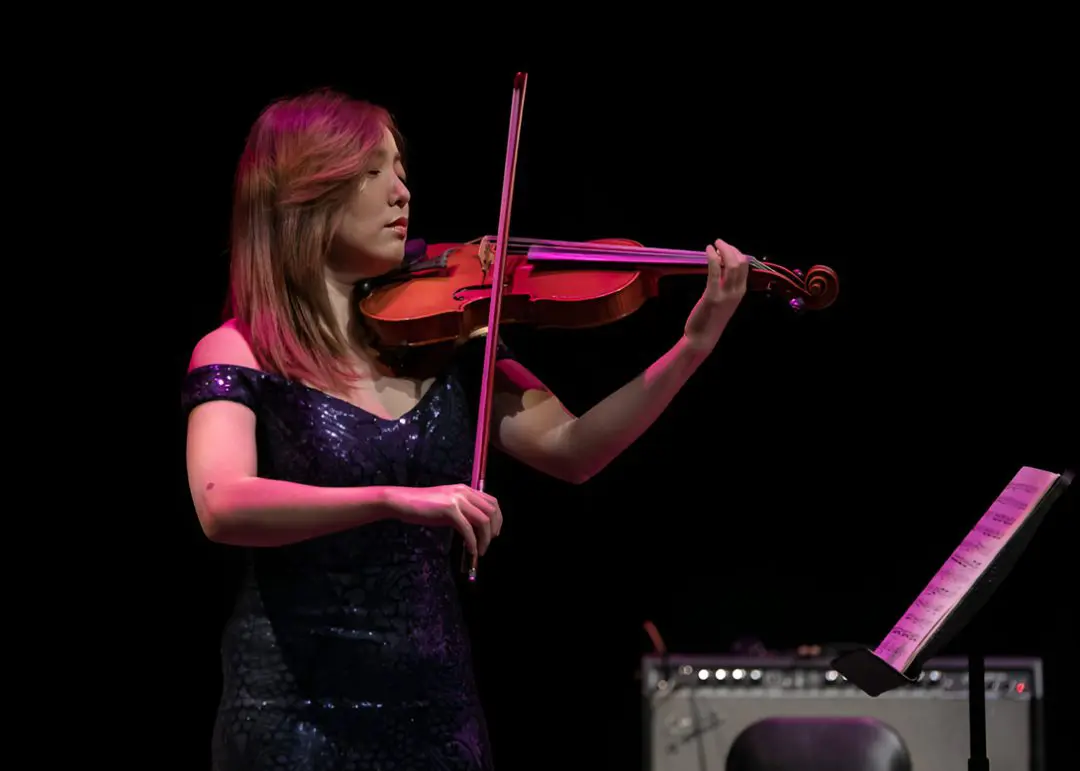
[[474, 514]]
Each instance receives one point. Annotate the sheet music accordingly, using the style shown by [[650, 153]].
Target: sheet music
[[964, 566]]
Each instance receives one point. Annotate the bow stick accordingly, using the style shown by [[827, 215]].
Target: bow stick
[[498, 273]]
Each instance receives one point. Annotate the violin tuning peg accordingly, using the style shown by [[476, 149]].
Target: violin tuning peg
[[796, 304]]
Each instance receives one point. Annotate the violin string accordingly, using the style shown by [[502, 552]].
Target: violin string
[[627, 249], [571, 247]]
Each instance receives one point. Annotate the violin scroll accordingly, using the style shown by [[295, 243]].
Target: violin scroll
[[816, 291]]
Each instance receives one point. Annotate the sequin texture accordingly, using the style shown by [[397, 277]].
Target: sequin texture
[[349, 651]]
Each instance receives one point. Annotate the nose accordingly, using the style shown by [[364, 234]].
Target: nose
[[400, 195]]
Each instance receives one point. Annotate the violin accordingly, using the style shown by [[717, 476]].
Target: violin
[[444, 295], [448, 293]]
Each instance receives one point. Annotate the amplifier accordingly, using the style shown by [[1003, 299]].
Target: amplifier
[[696, 708]]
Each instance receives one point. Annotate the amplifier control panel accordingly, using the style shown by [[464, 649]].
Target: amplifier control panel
[[1005, 678]]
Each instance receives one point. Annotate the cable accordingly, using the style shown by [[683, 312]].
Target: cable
[[660, 648]]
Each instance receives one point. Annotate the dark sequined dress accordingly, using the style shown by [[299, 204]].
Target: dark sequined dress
[[349, 651]]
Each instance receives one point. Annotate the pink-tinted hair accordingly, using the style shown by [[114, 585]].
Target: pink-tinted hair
[[303, 159]]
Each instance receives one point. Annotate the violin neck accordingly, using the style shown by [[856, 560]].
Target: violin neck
[[610, 255]]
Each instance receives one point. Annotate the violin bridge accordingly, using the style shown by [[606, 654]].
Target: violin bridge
[[486, 252]]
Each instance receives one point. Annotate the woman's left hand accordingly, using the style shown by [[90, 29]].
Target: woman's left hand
[[724, 290]]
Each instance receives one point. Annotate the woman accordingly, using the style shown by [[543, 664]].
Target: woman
[[343, 477]]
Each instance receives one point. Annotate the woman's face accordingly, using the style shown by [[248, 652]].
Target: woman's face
[[370, 239]]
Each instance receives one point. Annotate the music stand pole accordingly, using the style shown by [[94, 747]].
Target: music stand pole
[[979, 760]]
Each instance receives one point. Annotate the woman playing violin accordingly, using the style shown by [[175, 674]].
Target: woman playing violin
[[342, 477]]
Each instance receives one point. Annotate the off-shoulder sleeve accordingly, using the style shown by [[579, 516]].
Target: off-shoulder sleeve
[[213, 382], [503, 351], [469, 365]]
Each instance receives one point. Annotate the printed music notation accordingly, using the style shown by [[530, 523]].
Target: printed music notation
[[964, 567]]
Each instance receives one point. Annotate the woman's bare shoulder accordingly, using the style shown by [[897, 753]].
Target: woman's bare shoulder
[[224, 345]]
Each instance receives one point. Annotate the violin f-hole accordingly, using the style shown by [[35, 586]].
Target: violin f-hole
[[475, 292]]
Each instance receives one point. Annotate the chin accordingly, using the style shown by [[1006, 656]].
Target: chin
[[395, 257], [385, 263]]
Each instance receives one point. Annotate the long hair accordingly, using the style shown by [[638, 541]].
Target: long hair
[[303, 159]]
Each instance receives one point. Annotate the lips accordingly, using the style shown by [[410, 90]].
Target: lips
[[400, 222]]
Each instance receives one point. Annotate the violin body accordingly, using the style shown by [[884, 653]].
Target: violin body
[[453, 303], [446, 296]]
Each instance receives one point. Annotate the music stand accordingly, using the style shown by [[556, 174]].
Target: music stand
[[954, 597]]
